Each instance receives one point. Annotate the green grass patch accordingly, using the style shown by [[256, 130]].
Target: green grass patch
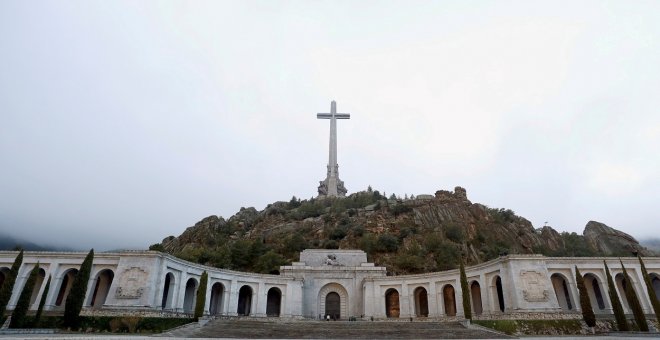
[[533, 327], [115, 324]]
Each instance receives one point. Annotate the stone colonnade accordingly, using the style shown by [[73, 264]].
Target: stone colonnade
[[336, 283]]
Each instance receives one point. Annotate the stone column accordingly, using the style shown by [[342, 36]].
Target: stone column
[[432, 300], [261, 296], [54, 289], [233, 298], [181, 293], [404, 302], [207, 299]]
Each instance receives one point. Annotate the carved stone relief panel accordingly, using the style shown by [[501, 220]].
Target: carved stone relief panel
[[533, 284], [131, 283]]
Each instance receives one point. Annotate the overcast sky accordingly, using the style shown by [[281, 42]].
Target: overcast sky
[[123, 122]]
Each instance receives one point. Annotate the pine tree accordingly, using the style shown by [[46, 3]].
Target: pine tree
[[8, 284], [201, 295], [621, 322], [633, 301], [42, 302], [76, 297], [18, 316], [649, 289], [585, 304], [467, 306]]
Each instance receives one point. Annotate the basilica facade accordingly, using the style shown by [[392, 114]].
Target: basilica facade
[[332, 284]]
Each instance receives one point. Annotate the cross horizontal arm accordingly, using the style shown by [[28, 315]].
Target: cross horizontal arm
[[337, 115]]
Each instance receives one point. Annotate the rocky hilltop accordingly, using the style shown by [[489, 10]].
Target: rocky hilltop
[[410, 235]]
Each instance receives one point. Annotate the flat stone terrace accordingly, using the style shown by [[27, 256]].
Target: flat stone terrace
[[260, 329]]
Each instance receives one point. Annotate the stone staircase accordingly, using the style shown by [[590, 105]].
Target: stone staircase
[[250, 328]]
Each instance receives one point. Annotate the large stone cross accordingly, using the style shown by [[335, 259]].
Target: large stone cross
[[332, 186]]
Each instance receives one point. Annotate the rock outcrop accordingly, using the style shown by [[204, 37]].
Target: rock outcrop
[[610, 241], [429, 233]]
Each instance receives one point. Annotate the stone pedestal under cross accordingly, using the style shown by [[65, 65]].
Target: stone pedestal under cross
[[332, 186]]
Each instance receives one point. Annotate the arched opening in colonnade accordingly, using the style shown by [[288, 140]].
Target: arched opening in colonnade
[[189, 298], [449, 297], [498, 293], [475, 297], [560, 286], [273, 302], [4, 272], [168, 291], [655, 282], [621, 285], [593, 285], [244, 301], [41, 276], [421, 302], [217, 298], [66, 281], [101, 288], [392, 307]]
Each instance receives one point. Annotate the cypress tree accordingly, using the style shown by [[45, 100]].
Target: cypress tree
[[649, 289], [42, 302], [201, 295], [467, 306], [633, 301], [621, 322], [8, 284], [585, 304], [18, 316], [76, 297]]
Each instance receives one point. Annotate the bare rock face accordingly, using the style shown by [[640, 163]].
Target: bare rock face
[[610, 241]]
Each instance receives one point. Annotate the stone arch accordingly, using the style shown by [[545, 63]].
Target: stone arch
[[498, 293], [189, 298], [560, 285], [392, 306], [421, 302], [66, 281], [217, 298], [655, 283], [168, 291], [273, 302], [102, 284], [595, 292], [41, 276], [343, 299], [621, 285], [449, 298], [475, 297], [244, 307]]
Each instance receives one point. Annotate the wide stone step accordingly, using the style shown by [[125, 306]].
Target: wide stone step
[[305, 329]]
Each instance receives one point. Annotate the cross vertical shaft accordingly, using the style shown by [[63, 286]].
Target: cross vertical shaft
[[332, 186]]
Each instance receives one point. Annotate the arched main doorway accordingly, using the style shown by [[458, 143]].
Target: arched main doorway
[[592, 283], [168, 291], [475, 294], [333, 306], [244, 301], [421, 302], [41, 276], [327, 303], [101, 288], [65, 286], [559, 284], [449, 297], [217, 292], [189, 299], [392, 308], [274, 302]]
